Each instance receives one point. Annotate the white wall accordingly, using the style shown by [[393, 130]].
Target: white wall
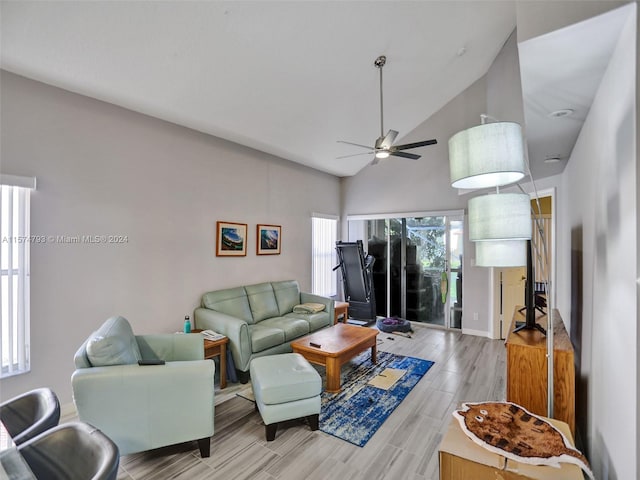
[[504, 87], [102, 169], [597, 253]]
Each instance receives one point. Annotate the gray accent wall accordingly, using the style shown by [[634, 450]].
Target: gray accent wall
[[104, 170]]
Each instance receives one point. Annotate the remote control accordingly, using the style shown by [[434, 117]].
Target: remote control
[[151, 362]]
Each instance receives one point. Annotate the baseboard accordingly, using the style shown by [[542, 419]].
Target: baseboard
[[476, 333]]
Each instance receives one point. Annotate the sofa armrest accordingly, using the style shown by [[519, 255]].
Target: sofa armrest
[[144, 407], [235, 328], [171, 347], [328, 303]]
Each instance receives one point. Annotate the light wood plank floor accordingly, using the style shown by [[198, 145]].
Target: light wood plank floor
[[467, 368]]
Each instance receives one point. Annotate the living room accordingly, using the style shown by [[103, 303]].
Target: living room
[[103, 169]]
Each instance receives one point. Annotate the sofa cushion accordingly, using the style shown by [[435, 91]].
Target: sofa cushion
[[292, 327], [262, 301], [309, 307], [232, 301], [316, 321], [265, 337], [287, 295], [113, 344]]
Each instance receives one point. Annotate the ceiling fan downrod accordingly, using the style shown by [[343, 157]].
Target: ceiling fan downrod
[[379, 63], [384, 144]]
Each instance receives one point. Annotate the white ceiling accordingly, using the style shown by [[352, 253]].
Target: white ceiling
[[559, 73], [287, 78]]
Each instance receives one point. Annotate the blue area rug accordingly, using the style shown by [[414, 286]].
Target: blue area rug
[[357, 412]]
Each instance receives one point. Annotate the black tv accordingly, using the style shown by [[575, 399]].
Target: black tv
[[530, 305]]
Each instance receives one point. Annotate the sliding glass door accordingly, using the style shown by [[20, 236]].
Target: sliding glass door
[[417, 272]]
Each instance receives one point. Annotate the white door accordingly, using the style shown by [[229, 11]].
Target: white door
[[509, 283]]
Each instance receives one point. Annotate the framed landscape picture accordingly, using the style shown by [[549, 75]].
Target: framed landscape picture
[[268, 239], [231, 239]]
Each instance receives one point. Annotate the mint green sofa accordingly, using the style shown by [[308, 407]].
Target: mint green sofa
[[259, 319], [144, 407]]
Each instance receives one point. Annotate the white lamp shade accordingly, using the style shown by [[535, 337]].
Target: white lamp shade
[[505, 216], [501, 253], [487, 155]]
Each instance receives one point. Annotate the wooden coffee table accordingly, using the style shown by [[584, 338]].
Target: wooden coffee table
[[335, 346]]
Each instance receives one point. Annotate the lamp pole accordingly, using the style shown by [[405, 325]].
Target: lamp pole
[[550, 352], [550, 301]]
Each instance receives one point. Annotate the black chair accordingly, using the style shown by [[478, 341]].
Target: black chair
[[30, 414], [72, 451]]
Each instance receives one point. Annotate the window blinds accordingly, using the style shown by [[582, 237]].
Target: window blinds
[[324, 236], [15, 244]]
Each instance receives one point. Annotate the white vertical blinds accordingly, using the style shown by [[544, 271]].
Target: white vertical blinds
[[15, 243], [324, 232]]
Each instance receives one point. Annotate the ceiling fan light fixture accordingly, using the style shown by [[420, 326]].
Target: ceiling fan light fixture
[[384, 146]]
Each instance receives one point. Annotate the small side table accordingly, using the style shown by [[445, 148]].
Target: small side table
[[341, 310], [217, 348]]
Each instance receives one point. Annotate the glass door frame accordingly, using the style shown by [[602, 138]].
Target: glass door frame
[[402, 216], [449, 307]]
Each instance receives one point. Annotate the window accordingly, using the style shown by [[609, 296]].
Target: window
[[15, 241], [324, 230]]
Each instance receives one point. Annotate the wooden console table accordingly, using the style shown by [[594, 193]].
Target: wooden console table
[[527, 369]]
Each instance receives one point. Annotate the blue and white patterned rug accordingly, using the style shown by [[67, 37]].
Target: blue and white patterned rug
[[357, 412]]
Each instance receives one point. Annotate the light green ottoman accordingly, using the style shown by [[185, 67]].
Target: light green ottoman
[[286, 387]]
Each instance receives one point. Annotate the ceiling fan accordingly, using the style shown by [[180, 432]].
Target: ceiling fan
[[383, 146]]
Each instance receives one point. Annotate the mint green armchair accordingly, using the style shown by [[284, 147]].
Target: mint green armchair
[[144, 407]]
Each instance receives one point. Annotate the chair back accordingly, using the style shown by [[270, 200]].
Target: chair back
[[72, 451], [30, 414]]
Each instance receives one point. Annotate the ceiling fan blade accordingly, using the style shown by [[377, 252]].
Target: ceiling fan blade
[[412, 156], [354, 155], [388, 140], [375, 161], [357, 144], [407, 146]]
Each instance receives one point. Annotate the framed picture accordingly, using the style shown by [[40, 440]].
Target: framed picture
[[231, 239], [269, 239]]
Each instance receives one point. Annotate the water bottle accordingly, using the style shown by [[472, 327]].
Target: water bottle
[[187, 324]]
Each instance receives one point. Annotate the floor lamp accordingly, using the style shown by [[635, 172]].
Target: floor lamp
[[492, 155]]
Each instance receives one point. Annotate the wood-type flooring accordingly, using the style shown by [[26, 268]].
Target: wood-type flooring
[[467, 368]]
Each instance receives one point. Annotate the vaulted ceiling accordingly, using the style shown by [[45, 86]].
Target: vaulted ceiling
[[286, 78]]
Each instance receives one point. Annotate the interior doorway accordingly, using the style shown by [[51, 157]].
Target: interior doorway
[[509, 283], [512, 284]]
